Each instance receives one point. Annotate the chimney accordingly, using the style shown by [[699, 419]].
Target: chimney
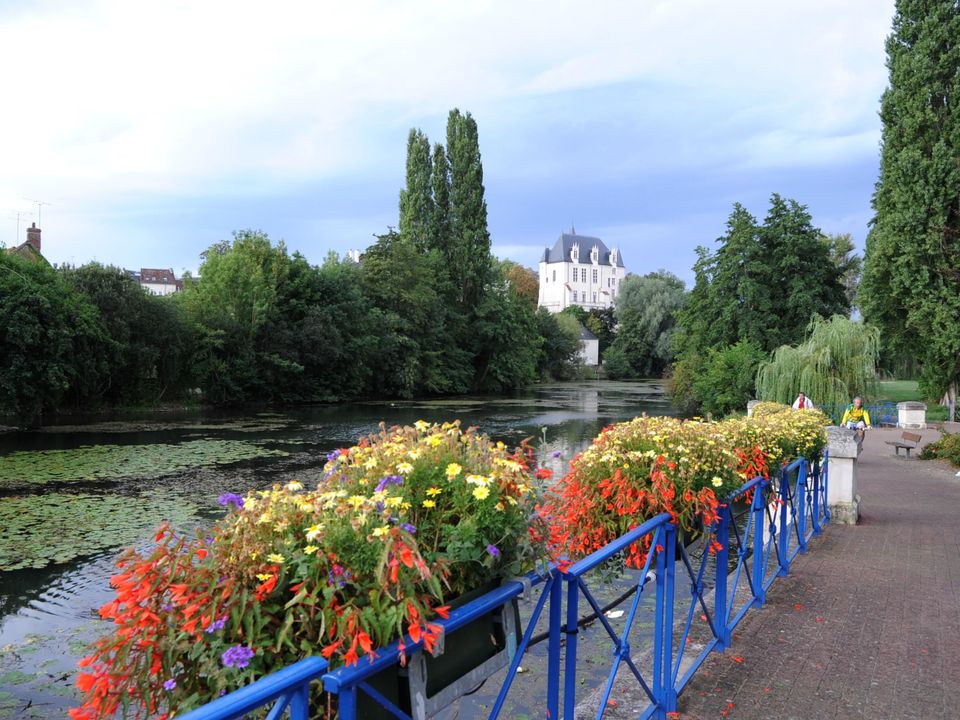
[[33, 236]]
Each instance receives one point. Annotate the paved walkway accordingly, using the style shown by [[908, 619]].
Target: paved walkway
[[867, 624]]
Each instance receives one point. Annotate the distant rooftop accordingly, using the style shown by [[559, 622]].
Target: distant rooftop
[[560, 252]]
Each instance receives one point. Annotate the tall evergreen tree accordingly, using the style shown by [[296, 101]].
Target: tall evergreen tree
[[441, 198], [416, 199], [911, 280], [468, 250]]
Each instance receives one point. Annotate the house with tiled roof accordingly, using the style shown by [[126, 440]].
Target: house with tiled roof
[[159, 281], [30, 249], [579, 270]]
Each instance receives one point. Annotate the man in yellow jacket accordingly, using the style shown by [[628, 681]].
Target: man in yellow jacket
[[856, 417]]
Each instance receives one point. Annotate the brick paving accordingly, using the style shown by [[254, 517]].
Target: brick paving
[[867, 624]]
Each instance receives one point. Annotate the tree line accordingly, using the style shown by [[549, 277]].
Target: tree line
[[428, 310]]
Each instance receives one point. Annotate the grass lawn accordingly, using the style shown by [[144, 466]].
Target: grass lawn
[[902, 390]]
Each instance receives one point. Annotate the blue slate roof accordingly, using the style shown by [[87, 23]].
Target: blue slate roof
[[560, 252]]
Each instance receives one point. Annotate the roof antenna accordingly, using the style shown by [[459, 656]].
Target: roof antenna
[[573, 230]]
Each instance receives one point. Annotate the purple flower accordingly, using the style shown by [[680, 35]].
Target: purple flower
[[169, 684], [389, 480], [333, 456], [230, 499], [557, 454], [217, 625], [238, 656], [493, 550], [209, 539], [412, 529]]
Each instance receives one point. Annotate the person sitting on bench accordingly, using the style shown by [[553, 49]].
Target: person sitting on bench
[[802, 402], [856, 417]]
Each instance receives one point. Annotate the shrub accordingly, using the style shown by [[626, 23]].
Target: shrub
[[946, 448], [397, 525], [726, 380]]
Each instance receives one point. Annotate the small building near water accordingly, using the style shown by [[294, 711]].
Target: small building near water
[[589, 347]]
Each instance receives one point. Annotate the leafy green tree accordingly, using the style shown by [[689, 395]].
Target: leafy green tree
[[603, 323], [148, 342], [506, 334], [560, 352], [911, 285], [725, 381], [764, 283], [51, 342], [441, 199], [577, 312], [848, 264], [645, 309]]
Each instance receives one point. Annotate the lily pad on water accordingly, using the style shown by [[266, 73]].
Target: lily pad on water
[[97, 462], [37, 531]]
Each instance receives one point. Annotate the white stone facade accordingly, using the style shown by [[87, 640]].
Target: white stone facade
[[580, 270]]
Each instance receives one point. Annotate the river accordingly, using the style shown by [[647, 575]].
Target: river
[[73, 495]]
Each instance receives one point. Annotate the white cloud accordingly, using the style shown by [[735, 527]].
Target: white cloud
[[109, 98]]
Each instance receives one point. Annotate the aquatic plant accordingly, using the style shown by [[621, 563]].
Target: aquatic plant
[[103, 462], [58, 527]]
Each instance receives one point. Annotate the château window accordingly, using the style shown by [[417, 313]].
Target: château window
[[583, 274], [595, 271], [594, 297], [554, 275]]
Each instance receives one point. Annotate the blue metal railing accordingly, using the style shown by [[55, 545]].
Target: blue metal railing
[[761, 528]]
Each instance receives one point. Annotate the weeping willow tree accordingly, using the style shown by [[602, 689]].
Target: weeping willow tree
[[836, 362]]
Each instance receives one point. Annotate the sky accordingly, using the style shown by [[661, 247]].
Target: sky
[[152, 130]]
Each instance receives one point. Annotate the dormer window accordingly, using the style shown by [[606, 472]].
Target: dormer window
[[613, 256], [575, 253], [595, 255]]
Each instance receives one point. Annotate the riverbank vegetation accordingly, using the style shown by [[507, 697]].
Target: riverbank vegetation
[[427, 310]]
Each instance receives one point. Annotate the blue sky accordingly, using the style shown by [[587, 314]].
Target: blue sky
[[155, 129]]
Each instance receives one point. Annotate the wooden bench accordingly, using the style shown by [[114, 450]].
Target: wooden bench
[[908, 441]]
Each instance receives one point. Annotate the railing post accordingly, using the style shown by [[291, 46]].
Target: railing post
[[817, 529], [759, 546], [659, 631], [669, 689], [347, 703], [801, 499], [720, 599], [553, 648], [300, 703], [783, 537], [825, 481], [570, 668]]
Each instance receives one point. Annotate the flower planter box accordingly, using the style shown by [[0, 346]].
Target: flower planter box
[[462, 660]]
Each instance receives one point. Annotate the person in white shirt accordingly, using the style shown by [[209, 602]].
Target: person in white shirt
[[802, 403]]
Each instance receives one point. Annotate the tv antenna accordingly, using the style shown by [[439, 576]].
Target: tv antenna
[[39, 204], [18, 214]]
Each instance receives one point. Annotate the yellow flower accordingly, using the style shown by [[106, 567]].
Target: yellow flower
[[357, 501], [313, 532], [370, 464], [294, 486], [404, 468], [413, 454], [453, 470], [478, 480], [434, 491], [263, 577], [429, 503], [481, 492], [380, 531], [394, 501], [310, 549], [421, 425], [717, 482], [275, 558]]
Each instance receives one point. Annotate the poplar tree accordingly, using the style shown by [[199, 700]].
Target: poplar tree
[[468, 248], [911, 277], [416, 199], [440, 230]]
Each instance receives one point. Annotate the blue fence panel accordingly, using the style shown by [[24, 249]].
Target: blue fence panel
[[288, 689]]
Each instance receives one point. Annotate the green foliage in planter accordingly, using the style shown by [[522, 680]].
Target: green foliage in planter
[[946, 448]]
